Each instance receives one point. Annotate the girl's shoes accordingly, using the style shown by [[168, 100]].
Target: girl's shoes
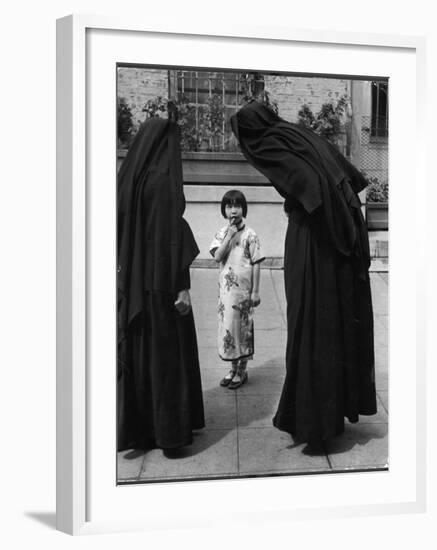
[[225, 382], [242, 379]]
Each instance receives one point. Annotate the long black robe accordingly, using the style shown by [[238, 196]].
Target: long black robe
[[159, 393], [330, 348]]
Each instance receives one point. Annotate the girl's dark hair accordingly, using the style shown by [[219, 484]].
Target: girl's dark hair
[[234, 197]]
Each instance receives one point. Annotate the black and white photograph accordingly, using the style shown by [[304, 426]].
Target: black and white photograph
[[219, 298], [252, 274]]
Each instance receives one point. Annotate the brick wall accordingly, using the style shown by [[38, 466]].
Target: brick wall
[[138, 85], [291, 92]]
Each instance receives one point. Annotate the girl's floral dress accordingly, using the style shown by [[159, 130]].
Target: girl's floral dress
[[235, 311]]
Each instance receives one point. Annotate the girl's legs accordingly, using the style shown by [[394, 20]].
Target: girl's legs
[[229, 377], [242, 366], [241, 375]]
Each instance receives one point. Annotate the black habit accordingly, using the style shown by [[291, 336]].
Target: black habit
[[330, 371], [159, 389]]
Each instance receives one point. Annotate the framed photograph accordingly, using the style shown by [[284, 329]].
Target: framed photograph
[[133, 451]]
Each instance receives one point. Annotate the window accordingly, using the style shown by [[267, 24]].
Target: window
[[206, 101], [379, 119]]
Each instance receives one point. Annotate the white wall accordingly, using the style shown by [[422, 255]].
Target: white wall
[[265, 215]]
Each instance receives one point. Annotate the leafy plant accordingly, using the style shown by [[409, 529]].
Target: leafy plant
[[208, 127], [306, 117], [125, 123], [186, 119], [155, 107], [212, 118], [185, 115], [327, 122], [376, 191]]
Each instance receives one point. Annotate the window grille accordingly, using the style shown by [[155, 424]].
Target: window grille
[[213, 98], [373, 152]]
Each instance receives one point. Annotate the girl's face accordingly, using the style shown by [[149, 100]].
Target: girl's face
[[234, 212]]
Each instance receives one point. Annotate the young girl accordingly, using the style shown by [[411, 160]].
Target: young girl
[[237, 248]]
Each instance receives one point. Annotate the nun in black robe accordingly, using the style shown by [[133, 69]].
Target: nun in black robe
[[330, 349], [159, 393]]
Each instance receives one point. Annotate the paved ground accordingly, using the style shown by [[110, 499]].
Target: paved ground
[[239, 439]]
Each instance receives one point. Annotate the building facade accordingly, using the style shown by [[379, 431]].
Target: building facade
[[212, 162]]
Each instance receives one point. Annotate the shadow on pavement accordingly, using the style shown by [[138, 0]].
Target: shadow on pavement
[[222, 410], [356, 434], [134, 453]]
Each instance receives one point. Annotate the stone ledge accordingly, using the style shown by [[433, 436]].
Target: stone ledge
[[377, 264], [210, 263], [214, 193]]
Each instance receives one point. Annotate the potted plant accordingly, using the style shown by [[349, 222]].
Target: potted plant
[[125, 124], [377, 203], [204, 160], [210, 153]]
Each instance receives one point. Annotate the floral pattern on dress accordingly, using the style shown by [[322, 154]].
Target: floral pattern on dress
[[228, 342], [246, 248], [251, 246], [231, 279], [221, 309], [245, 309]]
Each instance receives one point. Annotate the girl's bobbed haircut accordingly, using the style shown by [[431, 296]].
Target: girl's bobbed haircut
[[234, 197]]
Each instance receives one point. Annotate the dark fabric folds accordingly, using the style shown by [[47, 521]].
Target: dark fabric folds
[[155, 247], [330, 349], [160, 397]]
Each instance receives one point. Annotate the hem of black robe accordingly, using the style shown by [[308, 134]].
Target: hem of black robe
[[144, 445], [184, 442], [149, 443]]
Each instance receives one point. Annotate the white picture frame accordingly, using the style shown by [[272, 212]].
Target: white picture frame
[[87, 498]]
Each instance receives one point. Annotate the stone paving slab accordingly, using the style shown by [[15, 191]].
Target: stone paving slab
[[381, 361], [384, 324], [268, 358], [129, 464], [381, 382], [380, 332], [381, 416], [239, 438], [383, 398], [264, 319], [265, 358], [268, 320], [208, 322], [267, 304], [362, 445], [220, 409], [213, 452], [273, 339], [209, 359], [277, 278], [379, 289], [263, 381], [206, 338], [268, 450], [256, 411], [210, 380]]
